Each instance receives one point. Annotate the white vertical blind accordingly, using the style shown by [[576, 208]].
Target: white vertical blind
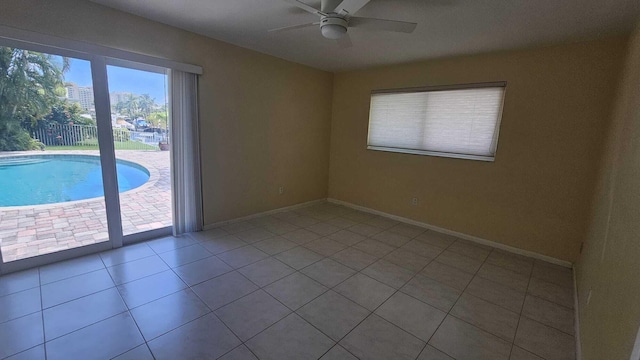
[[185, 153], [453, 122]]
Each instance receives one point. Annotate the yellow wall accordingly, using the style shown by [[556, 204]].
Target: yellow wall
[[265, 122], [536, 195], [610, 262]]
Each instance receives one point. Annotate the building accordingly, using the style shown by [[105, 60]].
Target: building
[[118, 97], [83, 95], [73, 92]]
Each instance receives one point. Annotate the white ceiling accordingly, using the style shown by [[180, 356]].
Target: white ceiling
[[445, 27]]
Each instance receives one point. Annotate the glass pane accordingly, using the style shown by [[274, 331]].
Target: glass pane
[[139, 120], [51, 194]]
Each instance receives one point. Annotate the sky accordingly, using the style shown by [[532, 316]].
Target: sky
[[120, 79]]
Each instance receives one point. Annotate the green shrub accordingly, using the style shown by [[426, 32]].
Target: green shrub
[[17, 139], [121, 134]]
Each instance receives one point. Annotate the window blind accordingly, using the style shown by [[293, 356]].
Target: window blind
[[452, 122]]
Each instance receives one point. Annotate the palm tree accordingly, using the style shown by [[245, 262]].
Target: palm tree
[[30, 84], [131, 106], [121, 108], [146, 104]]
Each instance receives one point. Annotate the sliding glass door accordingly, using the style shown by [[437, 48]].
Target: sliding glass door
[[140, 124], [51, 175], [83, 165]]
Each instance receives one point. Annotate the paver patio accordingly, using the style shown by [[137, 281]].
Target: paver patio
[[27, 231]]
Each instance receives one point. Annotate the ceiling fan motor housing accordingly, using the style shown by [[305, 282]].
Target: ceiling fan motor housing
[[333, 27]]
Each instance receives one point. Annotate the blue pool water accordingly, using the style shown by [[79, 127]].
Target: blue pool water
[[48, 179]]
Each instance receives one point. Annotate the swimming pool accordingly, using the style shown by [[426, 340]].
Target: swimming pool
[[49, 179]]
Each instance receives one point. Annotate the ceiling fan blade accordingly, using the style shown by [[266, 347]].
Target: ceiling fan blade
[[305, 7], [345, 41], [380, 24], [329, 5], [293, 27], [350, 7]]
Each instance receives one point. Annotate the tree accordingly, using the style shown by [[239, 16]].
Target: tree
[[158, 119], [61, 113], [133, 107], [30, 84], [130, 107], [120, 108], [146, 104]]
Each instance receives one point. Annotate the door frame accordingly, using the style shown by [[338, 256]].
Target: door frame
[[106, 154], [105, 145], [148, 234]]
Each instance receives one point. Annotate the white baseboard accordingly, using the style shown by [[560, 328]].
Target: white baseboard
[[576, 317], [269, 212], [472, 238]]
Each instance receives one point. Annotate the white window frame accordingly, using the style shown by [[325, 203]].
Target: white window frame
[[502, 84], [44, 41]]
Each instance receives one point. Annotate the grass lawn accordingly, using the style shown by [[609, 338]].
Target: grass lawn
[[92, 144]]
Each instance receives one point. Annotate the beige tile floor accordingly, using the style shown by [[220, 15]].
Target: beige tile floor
[[322, 282]]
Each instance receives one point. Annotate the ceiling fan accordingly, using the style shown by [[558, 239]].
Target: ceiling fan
[[336, 19]]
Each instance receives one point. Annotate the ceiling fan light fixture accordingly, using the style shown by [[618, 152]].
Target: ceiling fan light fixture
[[335, 20], [333, 27]]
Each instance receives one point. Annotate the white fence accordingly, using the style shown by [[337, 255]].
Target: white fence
[[86, 135]]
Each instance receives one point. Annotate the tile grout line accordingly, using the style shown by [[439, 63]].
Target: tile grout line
[[328, 289], [357, 271], [372, 312], [291, 311], [307, 322], [128, 311], [458, 299], [295, 311], [327, 236], [551, 326], [439, 324], [521, 309], [44, 342], [115, 285], [80, 297], [211, 311], [190, 287], [520, 314], [509, 288], [243, 343]]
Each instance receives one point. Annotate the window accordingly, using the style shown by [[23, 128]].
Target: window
[[459, 121]]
